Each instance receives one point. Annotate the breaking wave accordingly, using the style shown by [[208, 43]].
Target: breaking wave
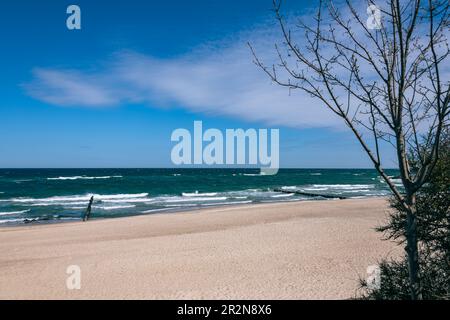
[[84, 178]]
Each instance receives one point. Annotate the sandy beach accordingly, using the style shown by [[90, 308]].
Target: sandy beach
[[297, 250]]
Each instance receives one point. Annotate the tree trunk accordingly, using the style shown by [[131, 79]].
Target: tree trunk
[[412, 249]]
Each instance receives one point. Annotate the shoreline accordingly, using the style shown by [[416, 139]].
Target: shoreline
[[291, 250], [42, 222]]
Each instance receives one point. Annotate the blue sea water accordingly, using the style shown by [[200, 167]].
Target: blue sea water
[[52, 195]]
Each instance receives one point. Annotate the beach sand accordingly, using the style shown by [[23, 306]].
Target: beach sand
[[297, 250]]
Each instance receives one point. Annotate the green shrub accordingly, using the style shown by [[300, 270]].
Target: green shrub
[[433, 227]]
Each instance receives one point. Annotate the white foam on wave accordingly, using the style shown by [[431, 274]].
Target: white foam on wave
[[380, 193], [77, 198], [120, 196], [283, 195], [83, 178], [344, 186], [289, 187], [197, 194], [128, 200], [396, 181], [314, 189], [154, 210], [114, 207], [14, 212], [249, 193], [252, 194], [11, 220], [48, 204], [182, 205]]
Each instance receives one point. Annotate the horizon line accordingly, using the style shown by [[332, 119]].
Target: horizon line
[[187, 168]]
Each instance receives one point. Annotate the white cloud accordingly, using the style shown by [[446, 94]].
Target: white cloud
[[70, 88], [217, 79]]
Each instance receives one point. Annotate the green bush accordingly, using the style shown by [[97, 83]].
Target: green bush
[[433, 224]]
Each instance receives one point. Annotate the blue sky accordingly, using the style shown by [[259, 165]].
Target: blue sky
[[110, 95]]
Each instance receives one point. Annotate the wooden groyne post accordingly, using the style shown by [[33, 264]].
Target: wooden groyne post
[[87, 214]]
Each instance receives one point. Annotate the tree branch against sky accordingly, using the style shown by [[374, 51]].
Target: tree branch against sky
[[387, 84]]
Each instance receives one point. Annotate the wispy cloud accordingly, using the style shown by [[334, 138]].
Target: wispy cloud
[[216, 79], [68, 87]]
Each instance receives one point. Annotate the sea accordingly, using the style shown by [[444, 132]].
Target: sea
[[33, 196]]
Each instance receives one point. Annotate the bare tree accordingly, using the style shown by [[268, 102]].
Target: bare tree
[[388, 81]]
